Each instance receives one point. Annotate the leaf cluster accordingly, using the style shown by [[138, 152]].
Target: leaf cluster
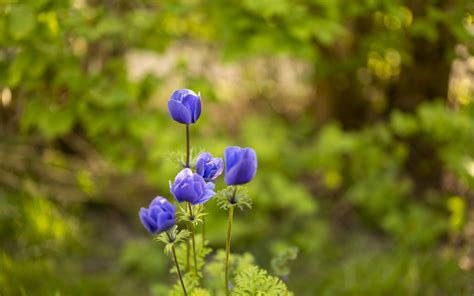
[[173, 237], [233, 196], [194, 219]]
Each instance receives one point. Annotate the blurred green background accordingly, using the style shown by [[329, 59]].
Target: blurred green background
[[361, 113]]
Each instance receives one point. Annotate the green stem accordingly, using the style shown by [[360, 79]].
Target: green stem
[[187, 254], [187, 165], [179, 271], [194, 252], [187, 146], [191, 215], [227, 248], [203, 230]]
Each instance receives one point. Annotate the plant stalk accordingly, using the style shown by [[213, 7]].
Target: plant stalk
[[187, 146], [227, 248], [194, 252], [192, 237], [187, 165], [203, 230], [187, 254], [179, 271]]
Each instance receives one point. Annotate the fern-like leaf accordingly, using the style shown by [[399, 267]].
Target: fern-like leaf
[[254, 281], [233, 196]]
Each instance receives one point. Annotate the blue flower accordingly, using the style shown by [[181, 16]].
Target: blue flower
[[240, 165], [191, 187], [208, 167], [185, 106], [159, 216]]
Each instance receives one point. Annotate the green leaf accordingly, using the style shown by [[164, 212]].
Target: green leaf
[[256, 281], [233, 196]]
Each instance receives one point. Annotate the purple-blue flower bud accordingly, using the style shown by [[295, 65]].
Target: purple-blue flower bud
[[185, 106], [209, 167], [191, 187], [240, 165], [159, 216]]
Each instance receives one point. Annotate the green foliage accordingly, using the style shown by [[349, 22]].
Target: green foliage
[[180, 157], [172, 237], [192, 219], [247, 278], [201, 250], [233, 196], [364, 155], [457, 206], [255, 281], [374, 272], [280, 263]]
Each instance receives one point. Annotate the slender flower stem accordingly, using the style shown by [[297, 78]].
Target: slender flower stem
[[187, 254], [187, 165], [194, 252], [227, 248], [192, 237], [187, 146], [203, 230], [179, 271]]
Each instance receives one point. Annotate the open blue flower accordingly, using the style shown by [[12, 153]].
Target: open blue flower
[[191, 187], [159, 216], [209, 167], [185, 106], [240, 165]]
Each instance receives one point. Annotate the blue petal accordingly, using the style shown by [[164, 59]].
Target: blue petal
[[192, 102], [197, 109], [153, 213], [188, 193], [208, 193], [201, 162], [183, 187], [157, 201], [199, 185], [219, 167], [149, 224], [210, 186], [168, 207], [179, 112], [181, 93], [231, 156], [165, 221], [163, 204], [172, 189], [249, 153], [205, 156], [241, 173], [183, 175]]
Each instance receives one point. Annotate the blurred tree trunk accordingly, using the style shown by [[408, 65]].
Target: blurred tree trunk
[[428, 77], [340, 96]]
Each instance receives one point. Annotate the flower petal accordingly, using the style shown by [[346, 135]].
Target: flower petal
[[219, 164], [196, 109], [201, 162], [157, 201], [208, 193], [241, 173], [165, 221], [179, 94], [183, 188], [148, 223], [179, 112], [199, 185], [231, 156]]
